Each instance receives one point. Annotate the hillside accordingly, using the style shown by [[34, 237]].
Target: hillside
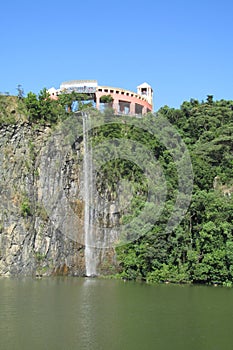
[[199, 250]]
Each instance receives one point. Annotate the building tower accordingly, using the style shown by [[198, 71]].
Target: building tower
[[146, 91]]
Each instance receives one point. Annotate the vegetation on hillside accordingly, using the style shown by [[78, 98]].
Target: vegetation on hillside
[[200, 249], [40, 108]]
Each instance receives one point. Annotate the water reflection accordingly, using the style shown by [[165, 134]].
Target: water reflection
[[87, 314]]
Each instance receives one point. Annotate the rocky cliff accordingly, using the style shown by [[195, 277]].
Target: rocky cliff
[[33, 238], [42, 206]]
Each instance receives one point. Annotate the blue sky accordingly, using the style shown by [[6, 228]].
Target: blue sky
[[183, 49]]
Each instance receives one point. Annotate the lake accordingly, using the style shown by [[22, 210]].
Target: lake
[[98, 314]]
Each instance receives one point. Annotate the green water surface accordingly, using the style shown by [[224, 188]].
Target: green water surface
[[95, 314]]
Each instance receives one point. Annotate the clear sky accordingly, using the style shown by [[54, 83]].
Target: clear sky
[[184, 49]]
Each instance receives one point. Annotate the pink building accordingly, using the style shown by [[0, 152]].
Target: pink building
[[123, 101]]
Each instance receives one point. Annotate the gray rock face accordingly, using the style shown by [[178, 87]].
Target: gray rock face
[[41, 207]]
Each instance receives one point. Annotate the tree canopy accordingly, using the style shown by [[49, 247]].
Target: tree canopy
[[200, 249]]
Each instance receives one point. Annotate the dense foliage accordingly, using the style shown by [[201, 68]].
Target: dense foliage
[[200, 249]]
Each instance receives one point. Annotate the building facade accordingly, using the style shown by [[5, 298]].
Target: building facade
[[122, 101]]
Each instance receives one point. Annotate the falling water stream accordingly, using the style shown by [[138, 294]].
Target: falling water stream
[[91, 257]]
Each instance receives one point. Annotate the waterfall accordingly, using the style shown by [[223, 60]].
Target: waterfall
[[100, 221], [91, 257]]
